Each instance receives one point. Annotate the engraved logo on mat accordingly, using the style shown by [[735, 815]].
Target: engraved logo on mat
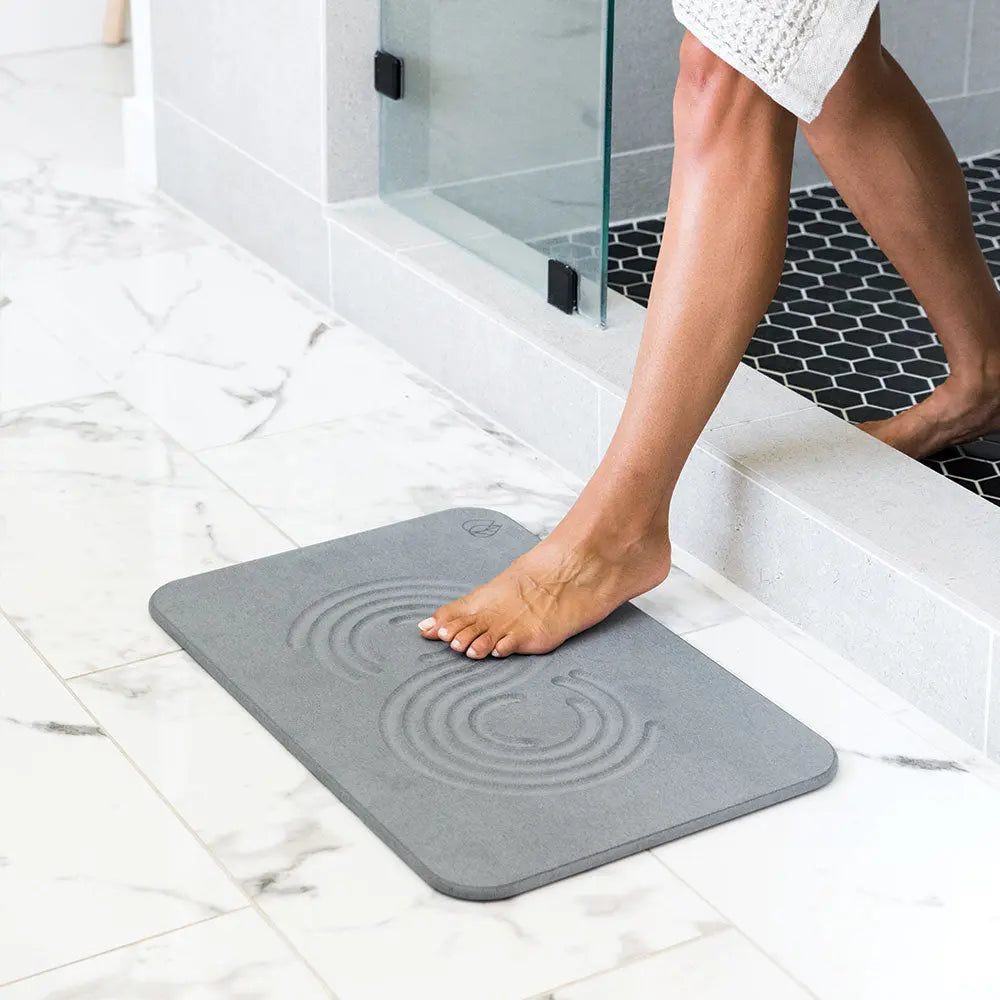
[[480, 527]]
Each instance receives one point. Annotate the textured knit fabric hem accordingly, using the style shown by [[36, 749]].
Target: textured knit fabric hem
[[794, 50]]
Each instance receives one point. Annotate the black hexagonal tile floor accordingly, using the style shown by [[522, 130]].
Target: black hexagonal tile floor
[[843, 329]]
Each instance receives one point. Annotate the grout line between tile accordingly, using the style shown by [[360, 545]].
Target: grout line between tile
[[807, 404], [121, 947], [406, 259], [970, 25], [317, 198], [992, 651], [125, 663], [252, 903], [736, 927], [637, 960]]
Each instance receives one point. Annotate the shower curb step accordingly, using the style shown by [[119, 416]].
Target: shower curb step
[[878, 557]]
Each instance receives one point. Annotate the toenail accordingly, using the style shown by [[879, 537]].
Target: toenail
[[495, 653], [443, 632], [455, 644], [426, 623]]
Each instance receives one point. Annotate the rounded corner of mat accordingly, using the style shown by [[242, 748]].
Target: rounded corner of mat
[[827, 765], [159, 600], [468, 886], [470, 893], [833, 763]]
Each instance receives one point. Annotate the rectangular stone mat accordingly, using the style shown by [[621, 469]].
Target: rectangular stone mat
[[488, 777]]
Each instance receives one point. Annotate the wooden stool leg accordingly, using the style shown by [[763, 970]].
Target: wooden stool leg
[[114, 22]]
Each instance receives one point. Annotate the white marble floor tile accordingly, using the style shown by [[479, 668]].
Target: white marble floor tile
[[90, 857], [684, 604], [88, 69], [64, 196], [950, 745], [98, 509], [43, 115], [216, 348], [344, 899], [885, 883], [58, 214], [34, 368], [232, 957], [397, 462], [723, 966]]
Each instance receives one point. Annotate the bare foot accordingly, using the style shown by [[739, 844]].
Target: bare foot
[[952, 414], [566, 583]]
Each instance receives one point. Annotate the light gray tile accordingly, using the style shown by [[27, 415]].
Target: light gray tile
[[800, 565], [605, 354], [753, 396], [929, 38], [984, 57], [646, 61], [895, 505], [250, 70], [533, 203], [640, 183], [806, 170], [993, 736], [352, 36], [249, 203], [473, 352], [610, 405], [972, 124]]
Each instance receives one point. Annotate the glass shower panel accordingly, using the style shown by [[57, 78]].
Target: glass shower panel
[[501, 139]]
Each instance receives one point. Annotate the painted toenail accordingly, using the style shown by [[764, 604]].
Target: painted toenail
[[443, 632], [495, 653], [426, 623], [455, 644]]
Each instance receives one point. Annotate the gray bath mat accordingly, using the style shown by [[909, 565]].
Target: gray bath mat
[[495, 776]]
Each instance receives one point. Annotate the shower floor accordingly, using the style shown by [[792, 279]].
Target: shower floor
[[843, 330]]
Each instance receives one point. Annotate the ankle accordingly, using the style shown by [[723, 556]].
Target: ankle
[[618, 535], [973, 387], [979, 373]]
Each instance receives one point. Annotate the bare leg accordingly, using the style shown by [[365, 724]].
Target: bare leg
[[717, 271], [882, 147]]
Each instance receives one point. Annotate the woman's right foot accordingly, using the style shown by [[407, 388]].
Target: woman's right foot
[[568, 582]]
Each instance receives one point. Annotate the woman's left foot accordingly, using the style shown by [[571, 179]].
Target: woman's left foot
[[950, 415]]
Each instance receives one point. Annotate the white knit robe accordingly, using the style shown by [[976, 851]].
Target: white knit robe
[[794, 50]]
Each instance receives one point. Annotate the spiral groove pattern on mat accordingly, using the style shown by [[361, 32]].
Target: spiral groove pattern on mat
[[443, 720], [441, 723], [346, 630]]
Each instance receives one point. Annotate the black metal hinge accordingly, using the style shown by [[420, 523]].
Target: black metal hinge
[[563, 286], [389, 75]]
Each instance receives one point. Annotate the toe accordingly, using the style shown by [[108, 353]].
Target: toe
[[448, 628], [505, 645], [481, 647], [466, 635], [446, 616]]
